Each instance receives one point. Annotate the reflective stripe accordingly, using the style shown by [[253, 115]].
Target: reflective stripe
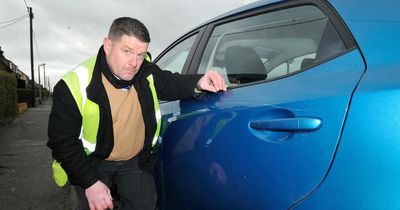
[[83, 75], [87, 145], [90, 111], [72, 81], [156, 109], [77, 81], [90, 123], [158, 114]]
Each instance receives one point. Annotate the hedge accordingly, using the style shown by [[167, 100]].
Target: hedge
[[24, 95], [8, 97]]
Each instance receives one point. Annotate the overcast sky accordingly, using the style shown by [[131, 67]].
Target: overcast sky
[[69, 31]]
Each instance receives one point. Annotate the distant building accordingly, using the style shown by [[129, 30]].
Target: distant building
[[9, 66]]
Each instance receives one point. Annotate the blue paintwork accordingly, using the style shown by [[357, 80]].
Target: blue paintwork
[[376, 28], [365, 173], [325, 138], [252, 167]]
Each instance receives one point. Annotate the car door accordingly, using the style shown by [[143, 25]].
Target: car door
[[176, 58], [268, 141]]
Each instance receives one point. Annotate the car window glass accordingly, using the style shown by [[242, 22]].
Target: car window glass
[[271, 45], [175, 58]]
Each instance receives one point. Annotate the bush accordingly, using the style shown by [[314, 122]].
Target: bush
[[8, 97], [25, 96]]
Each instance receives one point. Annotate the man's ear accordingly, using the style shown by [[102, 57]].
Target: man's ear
[[107, 45]]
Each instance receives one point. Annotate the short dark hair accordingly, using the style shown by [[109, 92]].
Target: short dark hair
[[130, 27]]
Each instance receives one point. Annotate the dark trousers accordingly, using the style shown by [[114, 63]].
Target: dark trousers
[[136, 188]]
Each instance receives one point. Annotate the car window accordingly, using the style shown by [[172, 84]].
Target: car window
[[271, 45], [175, 58]]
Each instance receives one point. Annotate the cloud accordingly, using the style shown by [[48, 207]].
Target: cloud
[[68, 32]]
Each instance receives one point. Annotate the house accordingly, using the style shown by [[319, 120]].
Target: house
[[9, 66]]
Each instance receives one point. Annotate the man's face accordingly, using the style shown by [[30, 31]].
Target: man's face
[[125, 55]]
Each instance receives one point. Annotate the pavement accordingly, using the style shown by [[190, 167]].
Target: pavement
[[25, 165]]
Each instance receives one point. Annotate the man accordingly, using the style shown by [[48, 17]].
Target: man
[[105, 118]]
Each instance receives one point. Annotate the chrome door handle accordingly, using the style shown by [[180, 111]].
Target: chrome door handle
[[300, 124]]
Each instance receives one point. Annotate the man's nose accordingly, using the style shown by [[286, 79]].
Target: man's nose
[[133, 61]]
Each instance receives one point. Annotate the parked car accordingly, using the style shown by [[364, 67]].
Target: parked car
[[311, 116]]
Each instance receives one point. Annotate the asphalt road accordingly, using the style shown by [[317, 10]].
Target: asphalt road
[[25, 165]]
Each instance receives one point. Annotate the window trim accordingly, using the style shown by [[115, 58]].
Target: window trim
[[187, 64]]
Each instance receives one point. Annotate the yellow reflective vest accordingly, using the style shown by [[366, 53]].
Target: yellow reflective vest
[[77, 81]]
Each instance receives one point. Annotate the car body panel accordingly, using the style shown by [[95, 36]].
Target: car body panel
[[250, 168], [365, 173], [323, 138], [376, 28]]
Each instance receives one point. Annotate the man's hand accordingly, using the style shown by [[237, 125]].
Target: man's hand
[[99, 196], [212, 81]]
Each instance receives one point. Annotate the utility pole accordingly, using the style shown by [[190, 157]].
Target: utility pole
[[44, 75], [40, 88], [48, 85], [32, 68], [44, 81]]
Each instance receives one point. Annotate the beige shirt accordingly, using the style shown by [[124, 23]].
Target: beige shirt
[[128, 124]]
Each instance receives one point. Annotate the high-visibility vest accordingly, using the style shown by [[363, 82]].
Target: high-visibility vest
[[77, 81]]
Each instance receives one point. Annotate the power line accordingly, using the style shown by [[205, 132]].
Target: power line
[[37, 49], [26, 5], [18, 18], [16, 21]]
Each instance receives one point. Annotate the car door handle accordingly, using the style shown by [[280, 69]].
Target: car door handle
[[300, 124]]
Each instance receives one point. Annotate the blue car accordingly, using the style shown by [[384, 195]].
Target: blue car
[[310, 119]]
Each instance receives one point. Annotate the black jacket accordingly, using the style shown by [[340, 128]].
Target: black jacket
[[65, 120]]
